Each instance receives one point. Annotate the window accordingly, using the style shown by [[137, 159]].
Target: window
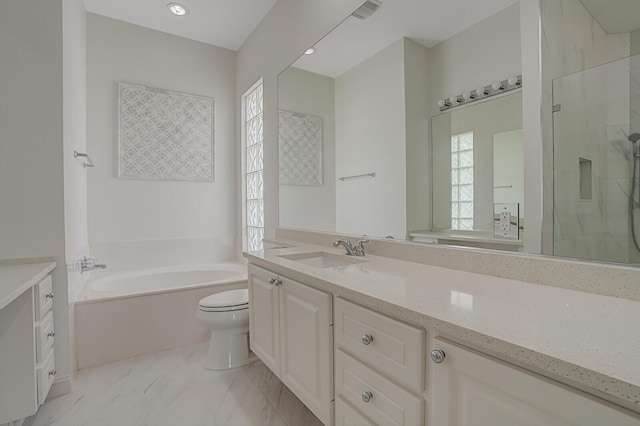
[[462, 181], [253, 166]]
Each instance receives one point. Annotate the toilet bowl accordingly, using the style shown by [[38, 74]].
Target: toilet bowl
[[227, 315]]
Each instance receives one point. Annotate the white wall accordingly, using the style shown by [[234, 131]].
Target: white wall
[[74, 100], [370, 137], [313, 94], [31, 146], [486, 52], [158, 222], [290, 27], [418, 128]]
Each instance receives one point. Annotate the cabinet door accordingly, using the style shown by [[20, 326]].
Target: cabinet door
[[471, 390], [306, 346], [264, 331]]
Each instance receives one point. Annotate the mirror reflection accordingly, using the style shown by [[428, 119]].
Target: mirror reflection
[[374, 152], [469, 143], [355, 117]]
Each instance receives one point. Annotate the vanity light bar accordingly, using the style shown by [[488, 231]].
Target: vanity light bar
[[496, 88]]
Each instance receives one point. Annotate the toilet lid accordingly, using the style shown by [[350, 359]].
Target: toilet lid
[[226, 299]]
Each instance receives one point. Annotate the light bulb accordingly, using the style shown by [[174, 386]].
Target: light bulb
[[467, 96], [442, 103], [497, 86], [514, 81], [480, 92], [177, 9], [310, 51]]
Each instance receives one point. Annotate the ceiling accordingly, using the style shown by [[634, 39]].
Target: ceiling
[[615, 16], [428, 22], [223, 23]]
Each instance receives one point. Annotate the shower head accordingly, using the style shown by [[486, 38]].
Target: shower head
[[634, 137]]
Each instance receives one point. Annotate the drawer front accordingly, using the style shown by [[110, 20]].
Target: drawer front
[[346, 415], [374, 395], [44, 297], [45, 336], [46, 376], [395, 349]]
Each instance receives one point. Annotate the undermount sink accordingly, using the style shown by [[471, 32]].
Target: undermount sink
[[322, 259]]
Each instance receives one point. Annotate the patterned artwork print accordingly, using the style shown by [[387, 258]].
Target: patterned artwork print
[[300, 149], [165, 135]]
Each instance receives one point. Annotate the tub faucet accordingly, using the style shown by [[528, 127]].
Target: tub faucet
[[89, 264], [358, 250]]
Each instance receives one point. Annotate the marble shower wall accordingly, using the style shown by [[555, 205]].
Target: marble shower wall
[[572, 41], [634, 254], [592, 126]]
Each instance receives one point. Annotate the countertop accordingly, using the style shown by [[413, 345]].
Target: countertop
[[588, 341], [16, 278], [472, 236]]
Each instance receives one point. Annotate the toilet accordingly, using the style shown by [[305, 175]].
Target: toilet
[[227, 315]]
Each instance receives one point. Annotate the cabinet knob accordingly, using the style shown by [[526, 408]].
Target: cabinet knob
[[49, 296], [367, 339], [51, 334], [366, 396], [437, 356], [53, 372]]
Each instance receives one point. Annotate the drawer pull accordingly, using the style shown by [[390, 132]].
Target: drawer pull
[[367, 339], [49, 296], [53, 372], [366, 396], [275, 281], [437, 356], [51, 334]]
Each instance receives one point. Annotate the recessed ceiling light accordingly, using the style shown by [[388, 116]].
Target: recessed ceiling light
[[310, 51], [177, 9]]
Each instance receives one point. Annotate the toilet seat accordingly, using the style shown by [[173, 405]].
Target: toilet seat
[[231, 300]]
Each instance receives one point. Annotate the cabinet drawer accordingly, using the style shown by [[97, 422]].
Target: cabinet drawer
[[46, 376], [44, 337], [396, 349], [389, 404], [346, 415], [44, 297]]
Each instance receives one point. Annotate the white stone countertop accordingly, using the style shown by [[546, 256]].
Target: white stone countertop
[[587, 341], [15, 279]]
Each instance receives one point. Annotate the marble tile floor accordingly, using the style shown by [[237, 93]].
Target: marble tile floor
[[172, 388]]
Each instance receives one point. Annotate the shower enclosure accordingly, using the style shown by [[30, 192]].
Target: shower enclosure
[[596, 162]]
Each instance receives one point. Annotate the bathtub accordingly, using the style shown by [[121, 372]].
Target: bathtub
[[126, 314], [152, 281]]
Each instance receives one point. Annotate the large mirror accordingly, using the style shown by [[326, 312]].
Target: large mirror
[[376, 123], [355, 116]]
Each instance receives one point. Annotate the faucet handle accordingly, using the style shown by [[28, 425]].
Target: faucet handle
[[359, 248]]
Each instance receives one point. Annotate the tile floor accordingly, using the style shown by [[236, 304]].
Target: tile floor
[[173, 388]]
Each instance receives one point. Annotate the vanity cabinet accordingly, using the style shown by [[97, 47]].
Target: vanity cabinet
[[379, 368], [291, 331], [27, 362], [470, 388]]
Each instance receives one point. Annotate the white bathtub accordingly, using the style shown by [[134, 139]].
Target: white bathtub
[[151, 281], [122, 315]]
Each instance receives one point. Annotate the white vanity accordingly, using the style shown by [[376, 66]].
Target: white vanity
[[391, 342], [27, 362]]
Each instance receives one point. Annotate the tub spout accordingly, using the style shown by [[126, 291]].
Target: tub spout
[[89, 264]]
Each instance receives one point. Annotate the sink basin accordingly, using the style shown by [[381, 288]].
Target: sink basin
[[322, 259]]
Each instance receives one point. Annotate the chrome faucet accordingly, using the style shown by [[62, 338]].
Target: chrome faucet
[[89, 264], [358, 250]]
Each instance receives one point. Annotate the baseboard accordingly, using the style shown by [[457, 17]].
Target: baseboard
[[61, 386]]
